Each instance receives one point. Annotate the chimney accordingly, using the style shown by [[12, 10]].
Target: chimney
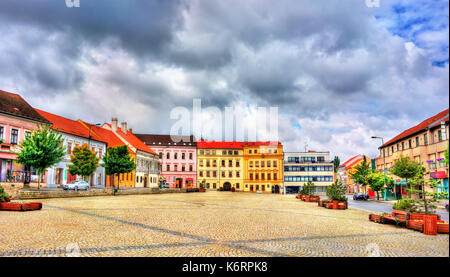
[[131, 130], [114, 122], [124, 127]]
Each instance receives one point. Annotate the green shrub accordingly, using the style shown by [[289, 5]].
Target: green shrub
[[337, 191], [405, 204], [3, 195]]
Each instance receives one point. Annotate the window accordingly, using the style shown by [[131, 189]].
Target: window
[[224, 152], [27, 133], [168, 155], [263, 176], [256, 151], [263, 187], [230, 174], [274, 163], [230, 163], [168, 167], [237, 185], [417, 141], [176, 156], [2, 130], [214, 173], [268, 176], [183, 168], [274, 176], [214, 163], [69, 148], [256, 176], [175, 168], [207, 185], [14, 136], [268, 163], [207, 174], [214, 185], [257, 164], [208, 163], [235, 152], [160, 155], [183, 156], [410, 143], [238, 174], [403, 145], [425, 139], [100, 152], [440, 135], [262, 164], [190, 168], [200, 173], [190, 156], [249, 151], [251, 163], [237, 163], [202, 152], [200, 163], [223, 162], [251, 176], [223, 173]]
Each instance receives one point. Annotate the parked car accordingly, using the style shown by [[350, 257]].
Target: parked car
[[360, 196], [76, 185], [446, 206]]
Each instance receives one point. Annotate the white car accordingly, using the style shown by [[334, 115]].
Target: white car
[[76, 185]]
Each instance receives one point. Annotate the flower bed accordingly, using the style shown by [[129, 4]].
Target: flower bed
[[8, 206]]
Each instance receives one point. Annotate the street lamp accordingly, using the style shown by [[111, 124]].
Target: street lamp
[[384, 165]]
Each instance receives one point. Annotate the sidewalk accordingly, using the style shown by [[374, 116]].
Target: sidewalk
[[440, 204]]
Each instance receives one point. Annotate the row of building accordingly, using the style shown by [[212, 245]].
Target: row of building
[[161, 159], [425, 142]]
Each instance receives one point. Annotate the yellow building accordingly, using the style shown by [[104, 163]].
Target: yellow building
[[263, 167], [220, 165]]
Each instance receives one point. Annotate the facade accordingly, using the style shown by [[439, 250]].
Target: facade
[[220, 165], [74, 134], [17, 120], [147, 169], [344, 174], [263, 167], [178, 158], [301, 167], [426, 143]]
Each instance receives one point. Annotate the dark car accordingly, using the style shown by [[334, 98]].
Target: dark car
[[446, 206], [360, 196]]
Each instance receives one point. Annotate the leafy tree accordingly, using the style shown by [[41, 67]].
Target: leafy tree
[[426, 202], [41, 150], [309, 188], [118, 160], [337, 191], [84, 161], [336, 163], [406, 168], [362, 170], [376, 182]]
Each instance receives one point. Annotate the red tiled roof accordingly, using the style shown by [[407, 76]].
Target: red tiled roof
[[14, 104], [68, 126], [106, 135], [442, 116], [259, 143], [353, 163], [133, 140], [349, 160]]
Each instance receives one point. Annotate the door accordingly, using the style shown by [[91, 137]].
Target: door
[[227, 186], [276, 189], [251, 187], [178, 182]]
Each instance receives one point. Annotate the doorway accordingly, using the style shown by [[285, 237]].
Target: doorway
[[227, 186], [275, 189], [179, 183]]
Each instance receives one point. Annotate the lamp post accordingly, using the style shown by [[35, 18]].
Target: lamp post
[[384, 166]]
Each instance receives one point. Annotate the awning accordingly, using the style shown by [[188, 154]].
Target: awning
[[189, 179], [438, 175], [401, 183]]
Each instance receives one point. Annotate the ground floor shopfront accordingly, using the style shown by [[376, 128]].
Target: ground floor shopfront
[[59, 175], [187, 180]]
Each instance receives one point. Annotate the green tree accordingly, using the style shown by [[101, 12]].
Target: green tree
[[309, 188], [3, 195], [376, 182], [337, 191], [118, 160], [336, 164], [84, 161], [427, 199], [41, 150], [362, 170], [406, 168]]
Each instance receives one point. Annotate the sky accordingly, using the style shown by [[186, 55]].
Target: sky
[[338, 71]]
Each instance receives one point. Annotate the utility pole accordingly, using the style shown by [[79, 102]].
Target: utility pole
[[384, 168]]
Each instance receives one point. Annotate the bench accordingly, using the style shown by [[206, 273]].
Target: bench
[[397, 216]]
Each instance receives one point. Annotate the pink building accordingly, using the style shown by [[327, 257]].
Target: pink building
[[17, 120], [178, 159]]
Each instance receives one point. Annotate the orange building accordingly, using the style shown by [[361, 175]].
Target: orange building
[[263, 167]]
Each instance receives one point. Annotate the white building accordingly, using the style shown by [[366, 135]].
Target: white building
[[301, 167]]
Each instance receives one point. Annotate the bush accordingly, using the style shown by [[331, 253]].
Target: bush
[[337, 191], [3, 195], [406, 204]]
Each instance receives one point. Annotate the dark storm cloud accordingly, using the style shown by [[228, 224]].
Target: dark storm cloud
[[328, 66]]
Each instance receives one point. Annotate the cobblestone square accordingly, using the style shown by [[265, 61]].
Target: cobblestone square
[[211, 224]]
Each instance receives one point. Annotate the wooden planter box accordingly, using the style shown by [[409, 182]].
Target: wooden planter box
[[201, 190], [442, 228], [329, 205], [298, 196], [314, 199], [415, 225], [321, 203], [417, 216], [8, 206]]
